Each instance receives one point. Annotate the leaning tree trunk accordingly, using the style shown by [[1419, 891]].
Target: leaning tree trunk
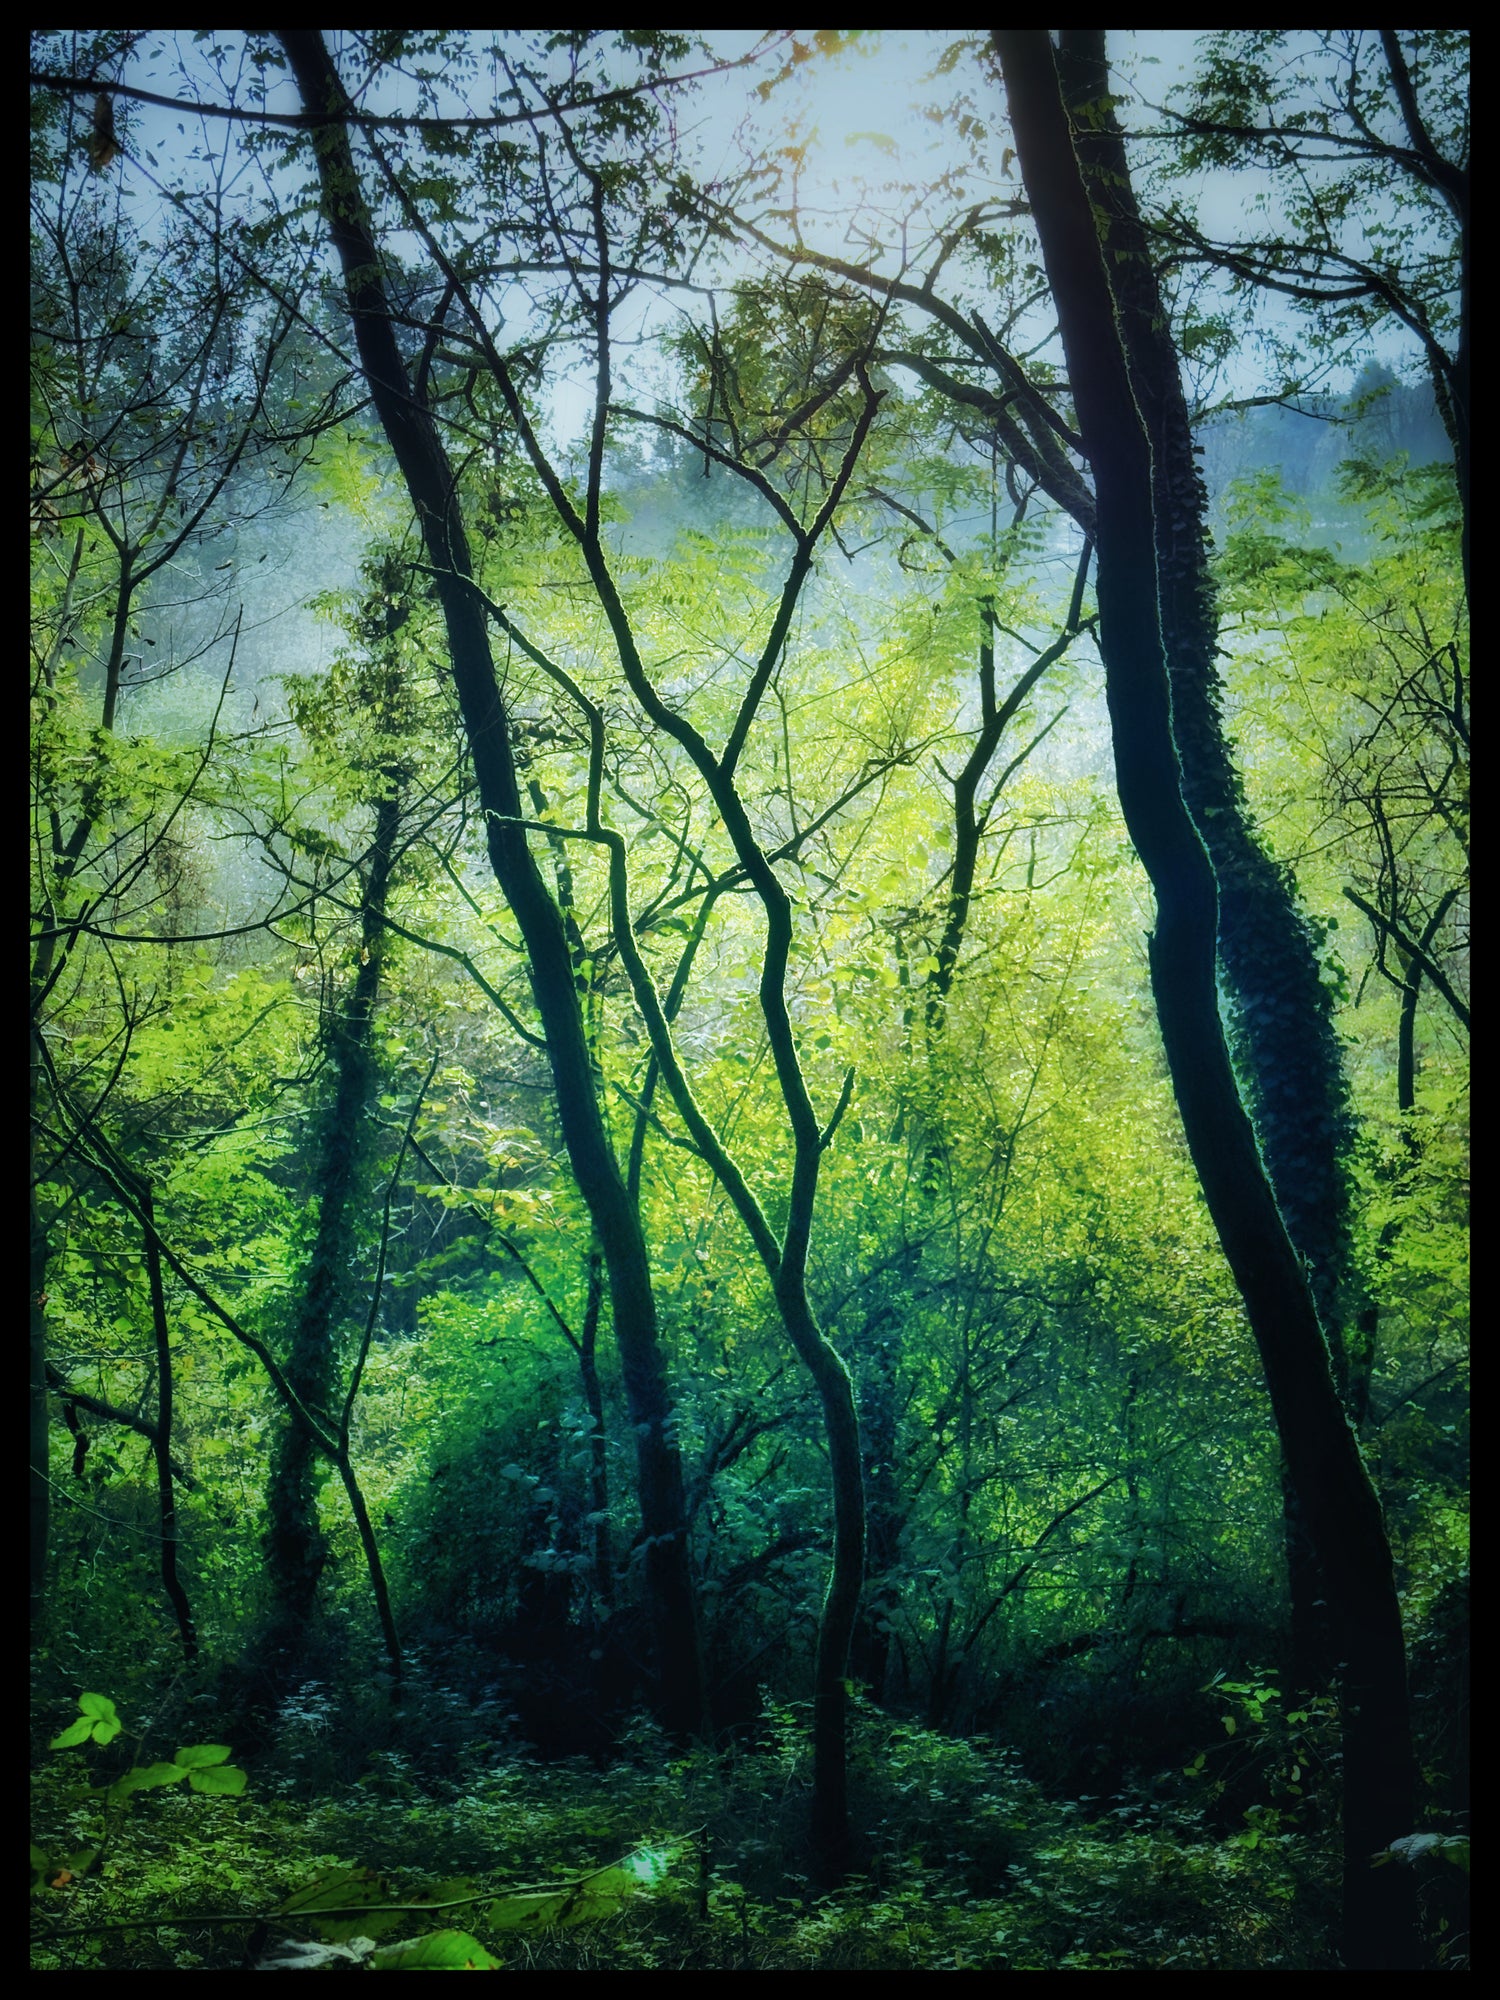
[[1282, 1021], [430, 480], [1322, 1454]]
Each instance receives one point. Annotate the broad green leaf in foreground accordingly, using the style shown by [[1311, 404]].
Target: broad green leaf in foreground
[[351, 1892], [441, 1951]]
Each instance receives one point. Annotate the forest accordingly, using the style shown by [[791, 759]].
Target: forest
[[749, 1000]]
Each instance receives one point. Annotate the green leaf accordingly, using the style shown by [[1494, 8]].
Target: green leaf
[[203, 1754], [535, 1910], [146, 1778], [228, 1781], [1416, 1847], [447, 1891], [589, 1900], [99, 1724], [351, 1892], [442, 1951]]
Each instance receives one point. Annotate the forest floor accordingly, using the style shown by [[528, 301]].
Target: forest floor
[[962, 1863]]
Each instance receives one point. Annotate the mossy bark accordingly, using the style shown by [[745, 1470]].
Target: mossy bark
[[1322, 1455]]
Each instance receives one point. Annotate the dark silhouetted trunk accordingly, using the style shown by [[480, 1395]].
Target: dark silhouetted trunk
[[161, 1439], [593, 1396], [1282, 1015], [39, 1425], [296, 1549], [430, 481], [1322, 1455], [1282, 1020], [870, 1653]]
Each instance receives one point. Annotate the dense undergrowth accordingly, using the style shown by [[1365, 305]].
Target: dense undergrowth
[[962, 1861]]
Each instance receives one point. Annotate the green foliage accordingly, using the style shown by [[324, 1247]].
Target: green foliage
[[97, 1724], [205, 1767], [963, 1864], [440, 1951], [1074, 1504], [1417, 1847]]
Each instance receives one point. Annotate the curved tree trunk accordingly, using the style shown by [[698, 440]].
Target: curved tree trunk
[[1282, 1022], [429, 478], [1322, 1455], [1282, 1016]]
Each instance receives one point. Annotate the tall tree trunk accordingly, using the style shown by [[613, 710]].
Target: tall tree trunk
[[870, 1649], [161, 1440], [1282, 1017], [296, 1548], [1322, 1455], [785, 1260], [593, 1396], [39, 1422], [1282, 1023], [430, 480]]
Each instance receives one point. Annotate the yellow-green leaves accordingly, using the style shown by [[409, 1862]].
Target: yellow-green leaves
[[206, 1767], [353, 1905], [98, 1723], [441, 1951]]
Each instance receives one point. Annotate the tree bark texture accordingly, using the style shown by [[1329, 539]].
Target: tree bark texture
[[1282, 1018], [1322, 1455], [430, 480], [1282, 1022]]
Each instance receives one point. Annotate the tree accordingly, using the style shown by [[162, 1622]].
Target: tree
[[419, 452], [1322, 1454], [152, 379], [716, 731], [1285, 1039], [1365, 136]]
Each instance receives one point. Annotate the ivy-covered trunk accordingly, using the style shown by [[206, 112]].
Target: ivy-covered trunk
[[430, 481], [1282, 1024], [1322, 1454], [1282, 1020]]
